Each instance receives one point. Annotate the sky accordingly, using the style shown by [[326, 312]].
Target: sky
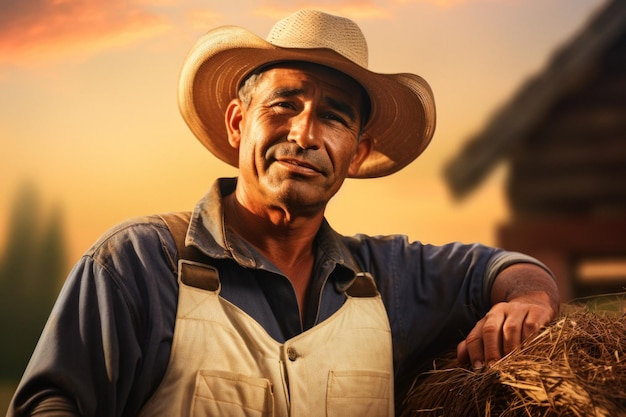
[[88, 110]]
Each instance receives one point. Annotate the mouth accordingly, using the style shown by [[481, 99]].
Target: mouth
[[299, 166]]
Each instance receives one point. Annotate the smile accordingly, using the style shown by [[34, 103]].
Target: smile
[[298, 166]]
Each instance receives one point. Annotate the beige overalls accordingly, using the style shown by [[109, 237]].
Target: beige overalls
[[223, 363]]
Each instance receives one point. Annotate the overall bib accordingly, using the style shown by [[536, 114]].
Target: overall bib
[[223, 363]]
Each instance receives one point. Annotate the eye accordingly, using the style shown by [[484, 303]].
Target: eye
[[335, 117], [284, 105]]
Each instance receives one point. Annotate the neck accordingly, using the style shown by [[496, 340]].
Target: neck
[[277, 233], [286, 240]]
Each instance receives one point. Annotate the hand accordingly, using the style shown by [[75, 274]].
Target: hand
[[504, 328]]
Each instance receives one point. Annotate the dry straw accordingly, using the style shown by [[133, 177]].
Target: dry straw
[[574, 367]]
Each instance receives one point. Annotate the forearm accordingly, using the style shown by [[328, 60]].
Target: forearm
[[528, 283]]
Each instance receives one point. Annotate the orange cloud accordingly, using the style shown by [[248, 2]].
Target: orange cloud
[[438, 3], [42, 30], [355, 9]]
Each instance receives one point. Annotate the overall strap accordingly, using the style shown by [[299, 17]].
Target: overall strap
[[178, 223], [362, 286], [194, 267]]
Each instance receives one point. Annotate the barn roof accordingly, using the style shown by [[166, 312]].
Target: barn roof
[[570, 66]]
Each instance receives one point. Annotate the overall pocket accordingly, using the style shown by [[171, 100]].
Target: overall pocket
[[358, 393], [225, 394]]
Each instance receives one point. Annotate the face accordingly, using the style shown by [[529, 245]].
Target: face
[[298, 137]]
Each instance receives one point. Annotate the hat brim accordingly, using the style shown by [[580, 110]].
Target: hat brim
[[402, 120]]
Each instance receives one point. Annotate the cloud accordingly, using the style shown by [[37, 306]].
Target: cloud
[[355, 9], [438, 3], [36, 31], [360, 10]]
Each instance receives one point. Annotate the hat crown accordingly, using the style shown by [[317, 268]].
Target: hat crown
[[313, 29]]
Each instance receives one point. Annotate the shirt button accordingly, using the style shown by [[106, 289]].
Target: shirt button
[[292, 354]]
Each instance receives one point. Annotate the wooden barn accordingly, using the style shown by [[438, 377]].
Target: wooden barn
[[563, 138]]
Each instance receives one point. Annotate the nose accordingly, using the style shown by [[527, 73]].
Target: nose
[[303, 130]]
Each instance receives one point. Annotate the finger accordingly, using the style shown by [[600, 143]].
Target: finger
[[461, 353], [530, 329], [522, 323], [513, 332], [536, 318], [474, 346], [492, 336]]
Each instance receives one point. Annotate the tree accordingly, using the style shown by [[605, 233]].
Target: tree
[[31, 268]]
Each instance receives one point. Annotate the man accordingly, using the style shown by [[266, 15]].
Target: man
[[258, 307]]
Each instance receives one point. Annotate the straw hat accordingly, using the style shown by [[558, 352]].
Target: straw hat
[[402, 119]]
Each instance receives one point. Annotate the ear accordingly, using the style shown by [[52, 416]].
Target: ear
[[363, 149], [233, 117]]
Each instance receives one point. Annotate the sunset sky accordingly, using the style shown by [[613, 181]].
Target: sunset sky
[[88, 108]]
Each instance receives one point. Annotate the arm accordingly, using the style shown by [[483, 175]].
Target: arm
[[524, 297], [106, 344], [72, 368]]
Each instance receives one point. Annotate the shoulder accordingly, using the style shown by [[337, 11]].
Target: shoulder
[[362, 242], [413, 262], [401, 246], [135, 243]]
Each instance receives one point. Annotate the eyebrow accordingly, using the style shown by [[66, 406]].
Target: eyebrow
[[286, 92], [338, 105], [345, 108]]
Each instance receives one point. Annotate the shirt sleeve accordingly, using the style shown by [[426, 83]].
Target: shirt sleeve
[[504, 259], [97, 355]]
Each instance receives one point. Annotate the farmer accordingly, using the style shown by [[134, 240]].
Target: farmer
[[254, 305]]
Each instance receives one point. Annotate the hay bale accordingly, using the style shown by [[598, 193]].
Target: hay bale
[[574, 367]]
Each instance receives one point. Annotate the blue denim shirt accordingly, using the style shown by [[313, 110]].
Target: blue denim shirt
[[106, 345]]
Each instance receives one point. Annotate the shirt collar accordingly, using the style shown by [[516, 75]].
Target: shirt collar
[[208, 233]]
